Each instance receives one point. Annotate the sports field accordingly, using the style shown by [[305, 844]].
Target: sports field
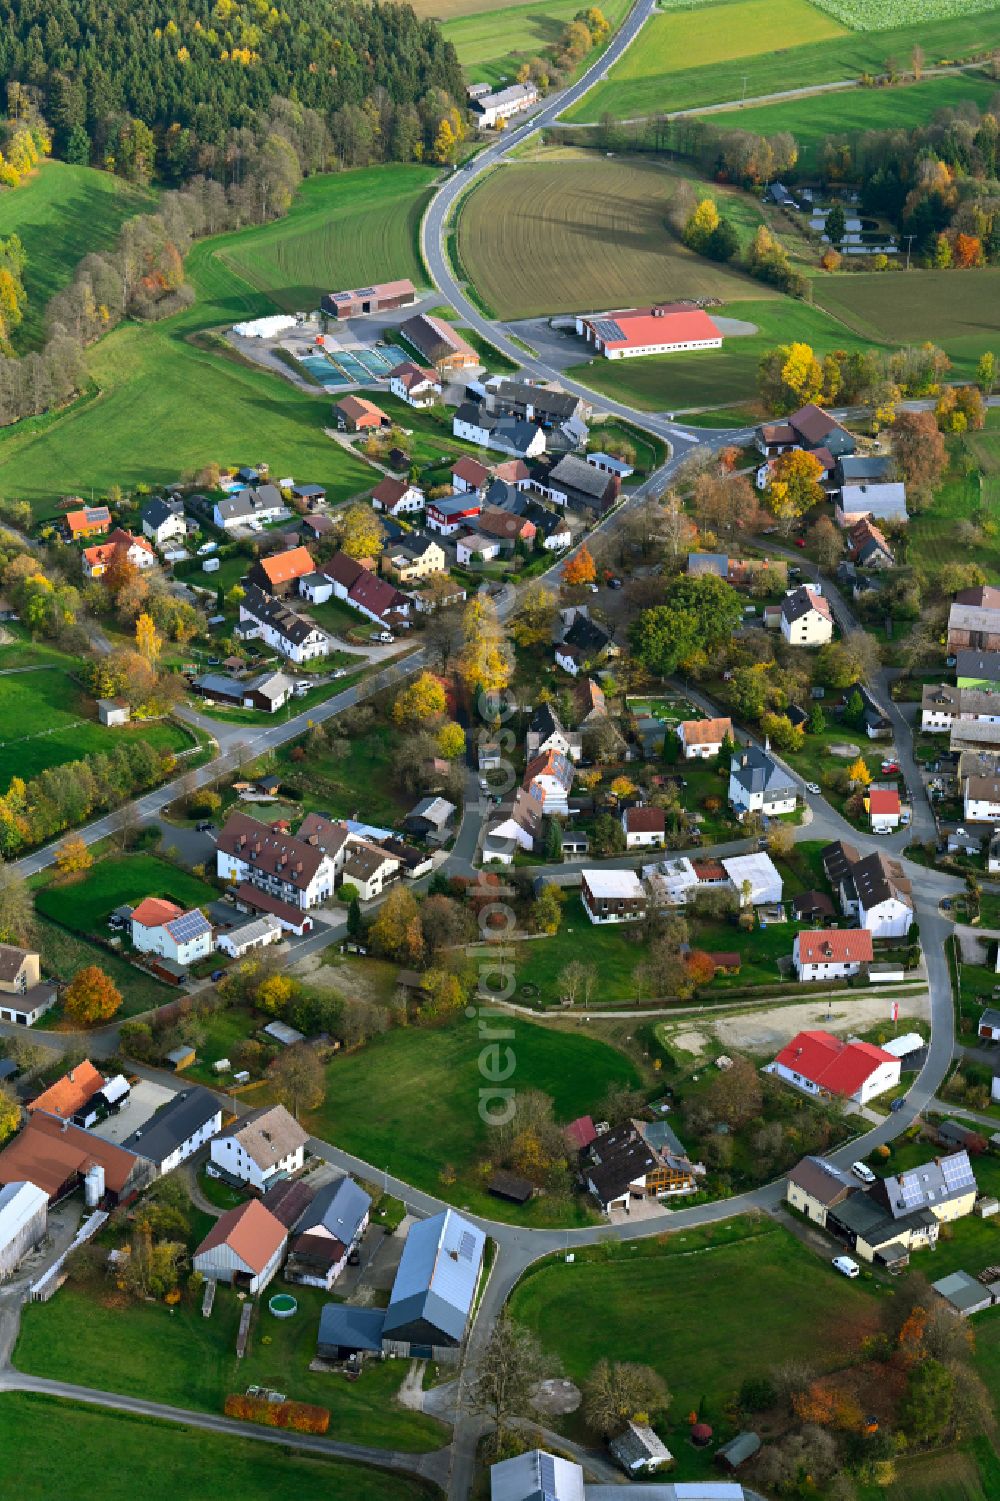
[[47, 720], [690, 59], [346, 229], [811, 119], [602, 223], [723, 377], [63, 213], [491, 44], [172, 399], [959, 310]]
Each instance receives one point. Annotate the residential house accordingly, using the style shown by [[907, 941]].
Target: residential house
[[410, 561], [496, 108], [882, 896], [295, 871], [645, 828], [69, 1093], [383, 296], [583, 642], [816, 1185], [806, 618], [548, 781], [414, 862], [981, 799], [430, 818], [553, 409], [381, 601], [327, 1232], [260, 1148], [475, 423], [472, 550], [91, 521], [119, 545], [58, 1156], [546, 733], [671, 881], [639, 1450], [259, 934], [415, 384], [591, 704], [664, 328], [163, 520], [809, 428], [355, 414], [262, 617], [369, 868], [518, 830], [161, 927], [397, 497], [251, 505], [874, 720], [179, 1128], [701, 563], [244, 1247], [868, 546], [823, 457], [755, 878], [905, 1212], [23, 1219], [622, 1164], [453, 513], [280, 573], [291, 917], [974, 620], [703, 738], [268, 692], [833, 954], [876, 503], [24, 995], [552, 530], [757, 784], [883, 809], [439, 344], [812, 906], [819, 1063], [435, 1286], [977, 669], [571, 481], [613, 896], [508, 529], [942, 705], [469, 476]]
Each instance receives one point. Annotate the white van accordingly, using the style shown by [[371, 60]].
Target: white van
[[846, 1266], [386, 637], [863, 1171]]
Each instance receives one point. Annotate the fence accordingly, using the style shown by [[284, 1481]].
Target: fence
[[42, 1290]]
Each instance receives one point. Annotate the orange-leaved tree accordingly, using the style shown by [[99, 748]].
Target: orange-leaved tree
[[580, 569], [92, 996]]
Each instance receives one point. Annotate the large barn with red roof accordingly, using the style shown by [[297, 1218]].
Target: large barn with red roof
[[665, 328], [819, 1063]]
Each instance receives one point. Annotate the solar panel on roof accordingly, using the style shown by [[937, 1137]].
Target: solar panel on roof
[[547, 1474], [957, 1172], [188, 926], [365, 292], [608, 329], [467, 1245], [911, 1193]]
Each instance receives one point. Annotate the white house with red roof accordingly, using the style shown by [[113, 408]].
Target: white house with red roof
[[831, 953], [135, 550], [452, 513], [161, 927], [548, 781], [469, 476], [397, 497], [664, 328], [414, 384], [819, 1063], [884, 809], [645, 828]]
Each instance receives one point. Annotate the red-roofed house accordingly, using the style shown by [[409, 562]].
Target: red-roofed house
[[160, 927], [468, 476], [665, 328], [548, 780], [136, 550], [396, 497], [376, 598], [644, 827], [883, 809], [414, 384], [89, 522], [819, 1063], [579, 1134], [280, 573], [832, 954]]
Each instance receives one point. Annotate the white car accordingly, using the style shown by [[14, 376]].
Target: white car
[[484, 785], [863, 1171], [846, 1266], [813, 787], [206, 548]]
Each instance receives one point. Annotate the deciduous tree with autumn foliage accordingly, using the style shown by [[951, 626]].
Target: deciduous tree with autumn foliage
[[92, 996]]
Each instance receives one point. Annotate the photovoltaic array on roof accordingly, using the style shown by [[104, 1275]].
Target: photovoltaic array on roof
[[957, 1172], [547, 1476], [365, 292], [609, 330], [96, 515], [189, 926], [911, 1192], [467, 1246]]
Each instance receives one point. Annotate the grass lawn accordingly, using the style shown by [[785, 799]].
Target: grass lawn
[[85, 904], [173, 397], [970, 490], [361, 784], [602, 223], [960, 311], [172, 1460], [761, 949], [855, 110], [492, 44], [675, 382], [688, 59], [63, 953], [222, 1030], [48, 720], [613, 951], [346, 229], [61, 214], [679, 1304], [410, 1101]]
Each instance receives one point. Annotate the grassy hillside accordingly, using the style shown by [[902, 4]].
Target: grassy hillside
[[171, 399], [811, 120], [602, 223], [492, 44], [689, 59], [344, 230], [62, 214]]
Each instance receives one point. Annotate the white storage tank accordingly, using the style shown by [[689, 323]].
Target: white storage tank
[[93, 1185]]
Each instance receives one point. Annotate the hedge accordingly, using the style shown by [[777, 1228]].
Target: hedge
[[300, 1417]]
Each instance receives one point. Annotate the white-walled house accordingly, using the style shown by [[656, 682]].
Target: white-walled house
[[291, 869], [327, 1233], [645, 828], [834, 954], [755, 878], [884, 809], [702, 738], [266, 618], [261, 1147], [259, 934], [161, 927], [398, 497], [178, 1130], [981, 799], [415, 384], [880, 896], [806, 618], [613, 896], [757, 784], [819, 1063]]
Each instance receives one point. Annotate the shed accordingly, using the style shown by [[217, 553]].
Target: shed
[[739, 1449], [179, 1058], [283, 1033], [345, 1330], [504, 1185], [23, 1216], [965, 1295], [113, 711]]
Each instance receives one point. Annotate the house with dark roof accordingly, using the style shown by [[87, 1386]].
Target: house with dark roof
[[327, 1232], [547, 733], [583, 642], [874, 720], [620, 1165], [809, 428], [163, 520], [806, 617], [295, 871], [346, 1331], [868, 546], [817, 1185], [254, 504], [264, 618], [178, 1129], [439, 344], [571, 481], [757, 784], [397, 497], [415, 384], [473, 422], [905, 1212], [876, 892]]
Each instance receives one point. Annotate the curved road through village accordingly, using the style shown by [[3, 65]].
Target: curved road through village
[[517, 1247]]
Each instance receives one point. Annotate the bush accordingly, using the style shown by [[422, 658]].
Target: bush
[[300, 1417]]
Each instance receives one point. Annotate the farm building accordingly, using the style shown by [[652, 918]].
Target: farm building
[[261, 1147], [356, 415], [268, 692], [665, 328], [380, 297], [66, 1096], [439, 344], [244, 1247], [184, 1124], [435, 1285], [23, 1217], [58, 1156], [113, 712], [490, 108]]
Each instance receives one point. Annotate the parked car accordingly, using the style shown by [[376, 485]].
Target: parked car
[[205, 827], [863, 1171], [846, 1266], [813, 787], [897, 1104], [800, 542], [614, 583]]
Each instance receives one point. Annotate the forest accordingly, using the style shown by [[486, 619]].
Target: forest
[[159, 90]]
